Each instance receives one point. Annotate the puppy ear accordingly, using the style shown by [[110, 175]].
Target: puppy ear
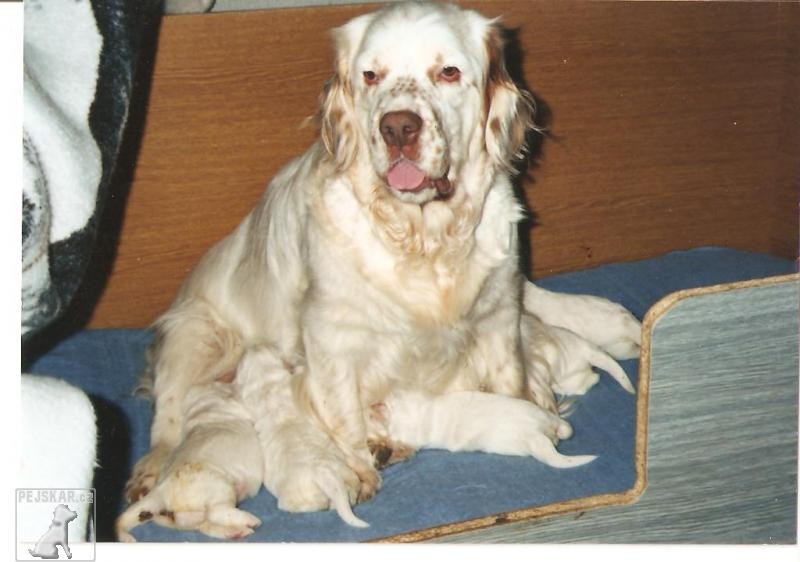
[[508, 109], [336, 115]]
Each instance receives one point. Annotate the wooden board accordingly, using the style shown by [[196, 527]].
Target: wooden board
[[672, 127], [716, 433]]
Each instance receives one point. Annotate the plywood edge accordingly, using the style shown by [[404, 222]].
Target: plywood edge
[[662, 306]]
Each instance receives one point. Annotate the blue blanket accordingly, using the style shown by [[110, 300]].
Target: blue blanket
[[434, 487]]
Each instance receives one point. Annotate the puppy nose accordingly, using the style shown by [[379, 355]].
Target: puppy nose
[[400, 128]]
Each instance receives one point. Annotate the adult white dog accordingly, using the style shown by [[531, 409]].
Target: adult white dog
[[385, 257]]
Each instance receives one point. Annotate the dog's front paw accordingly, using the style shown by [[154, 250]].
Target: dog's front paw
[[386, 452]]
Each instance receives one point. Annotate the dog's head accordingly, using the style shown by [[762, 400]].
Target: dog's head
[[420, 91], [63, 514]]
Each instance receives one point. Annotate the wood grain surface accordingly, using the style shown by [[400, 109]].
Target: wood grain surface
[[672, 126], [716, 427]]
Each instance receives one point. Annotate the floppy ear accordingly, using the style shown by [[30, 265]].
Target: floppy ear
[[509, 110], [338, 128]]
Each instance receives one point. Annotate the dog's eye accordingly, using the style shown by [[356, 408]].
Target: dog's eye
[[450, 74], [370, 78]]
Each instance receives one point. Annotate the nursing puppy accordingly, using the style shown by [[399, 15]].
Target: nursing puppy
[[473, 421], [303, 468], [383, 258], [217, 464]]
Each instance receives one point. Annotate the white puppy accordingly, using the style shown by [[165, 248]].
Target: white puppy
[[303, 468], [564, 359], [217, 464], [474, 421]]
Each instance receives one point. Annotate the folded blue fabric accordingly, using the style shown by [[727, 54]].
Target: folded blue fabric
[[433, 487]]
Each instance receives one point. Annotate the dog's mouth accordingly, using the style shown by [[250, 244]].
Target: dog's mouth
[[406, 177]]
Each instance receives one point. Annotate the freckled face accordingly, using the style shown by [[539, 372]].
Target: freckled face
[[417, 93]]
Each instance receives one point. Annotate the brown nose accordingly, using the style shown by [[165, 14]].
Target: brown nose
[[400, 128]]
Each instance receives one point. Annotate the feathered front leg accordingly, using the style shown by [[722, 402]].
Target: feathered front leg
[[333, 391], [498, 357]]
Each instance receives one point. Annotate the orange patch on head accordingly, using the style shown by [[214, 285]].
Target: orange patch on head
[[519, 113], [494, 125], [433, 71]]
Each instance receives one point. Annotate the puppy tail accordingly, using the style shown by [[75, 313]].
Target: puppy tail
[[603, 360], [334, 488], [547, 453], [137, 513]]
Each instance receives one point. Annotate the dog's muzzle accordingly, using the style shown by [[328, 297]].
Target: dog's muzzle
[[400, 131]]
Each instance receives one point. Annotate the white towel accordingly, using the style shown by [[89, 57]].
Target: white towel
[[58, 449]]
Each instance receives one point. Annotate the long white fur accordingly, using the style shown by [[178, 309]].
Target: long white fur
[[566, 359], [292, 443], [371, 289], [477, 421], [217, 464]]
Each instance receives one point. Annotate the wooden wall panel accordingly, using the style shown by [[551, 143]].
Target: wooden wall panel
[[670, 128], [788, 164]]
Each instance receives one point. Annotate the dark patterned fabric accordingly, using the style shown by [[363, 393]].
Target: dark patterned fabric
[[80, 58]]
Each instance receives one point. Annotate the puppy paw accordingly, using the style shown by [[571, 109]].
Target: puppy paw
[[328, 485], [540, 432], [609, 326], [145, 474], [541, 387], [225, 532], [219, 521], [606, 324], [570, 361], [576, 383], [624, 334], [229, 516]]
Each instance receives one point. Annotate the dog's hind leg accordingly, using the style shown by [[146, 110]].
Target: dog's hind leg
[[230, 521], [193, 346], [136, 514]]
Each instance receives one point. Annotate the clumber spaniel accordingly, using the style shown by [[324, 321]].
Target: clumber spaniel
[[385, 258]]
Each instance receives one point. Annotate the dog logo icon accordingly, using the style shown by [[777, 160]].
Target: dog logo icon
[[47, 546]]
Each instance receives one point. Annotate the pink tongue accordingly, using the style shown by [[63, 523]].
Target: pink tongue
[[405, 176]]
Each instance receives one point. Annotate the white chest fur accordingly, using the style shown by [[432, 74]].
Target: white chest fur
[[424, 265]]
